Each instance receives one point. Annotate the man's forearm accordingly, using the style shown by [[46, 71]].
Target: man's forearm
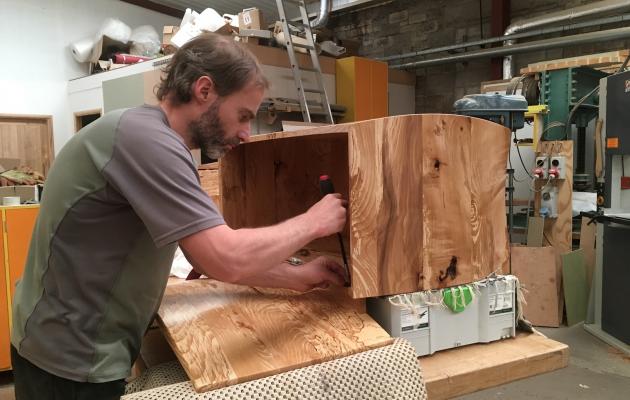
[[236, 255]]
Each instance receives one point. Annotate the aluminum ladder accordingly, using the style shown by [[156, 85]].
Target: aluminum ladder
[[295, 66]]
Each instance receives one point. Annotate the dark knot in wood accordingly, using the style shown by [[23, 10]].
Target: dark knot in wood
[[451, 271]]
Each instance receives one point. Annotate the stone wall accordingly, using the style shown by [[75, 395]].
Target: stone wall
[[402, 26]]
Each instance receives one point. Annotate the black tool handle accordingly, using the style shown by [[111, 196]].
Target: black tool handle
[[326, 187]]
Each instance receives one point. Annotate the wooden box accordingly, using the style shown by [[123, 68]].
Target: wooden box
[[426, 195]]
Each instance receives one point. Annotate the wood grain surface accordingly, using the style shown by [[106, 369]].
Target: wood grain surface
[[463, 192], [425, 192], [225, 334]]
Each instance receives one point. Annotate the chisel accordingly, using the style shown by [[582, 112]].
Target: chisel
[[326, 187]]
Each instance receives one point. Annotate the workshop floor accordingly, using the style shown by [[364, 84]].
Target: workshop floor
[[595, 371]]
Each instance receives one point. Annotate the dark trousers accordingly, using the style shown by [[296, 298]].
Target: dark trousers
[[33, 383]]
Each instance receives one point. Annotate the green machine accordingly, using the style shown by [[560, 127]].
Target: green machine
[[572, 99]]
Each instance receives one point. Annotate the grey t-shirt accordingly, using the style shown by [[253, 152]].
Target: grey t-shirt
[[118, 197]]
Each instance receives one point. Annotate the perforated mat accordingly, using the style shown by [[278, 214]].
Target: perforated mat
[[387, 373]]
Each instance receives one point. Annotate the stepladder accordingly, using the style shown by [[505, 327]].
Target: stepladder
[[313, 100]]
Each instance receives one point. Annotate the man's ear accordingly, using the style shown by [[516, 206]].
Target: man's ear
[[204, 89]]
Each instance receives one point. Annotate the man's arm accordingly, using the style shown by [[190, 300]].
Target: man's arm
[[237, 255], [320, 272]]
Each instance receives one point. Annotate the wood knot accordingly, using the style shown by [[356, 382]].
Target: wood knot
[[451, 271], [436, 164]]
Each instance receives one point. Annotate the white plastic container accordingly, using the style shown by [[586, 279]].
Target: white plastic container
[[433, 327]]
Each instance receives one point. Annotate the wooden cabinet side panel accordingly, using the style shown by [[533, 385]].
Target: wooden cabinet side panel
[[399, 222], [232, 176], [465, 228], [5, 356], [366, 195]]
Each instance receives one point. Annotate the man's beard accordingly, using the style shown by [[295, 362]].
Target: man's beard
[[208, 134]]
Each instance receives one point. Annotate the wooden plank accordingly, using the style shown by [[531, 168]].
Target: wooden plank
[[463, 193], [456, 372], [535, 229], [540, 276], [408, 219], [601, 60], [225, 334], [575, 287]]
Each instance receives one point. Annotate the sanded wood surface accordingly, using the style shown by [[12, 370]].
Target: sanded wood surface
[[463, 193], [426, 192], [225, 334], [467, 369]]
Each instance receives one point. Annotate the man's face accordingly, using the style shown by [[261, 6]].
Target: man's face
[[226, 122]]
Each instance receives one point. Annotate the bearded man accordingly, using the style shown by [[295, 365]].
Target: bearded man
[[119, 198]]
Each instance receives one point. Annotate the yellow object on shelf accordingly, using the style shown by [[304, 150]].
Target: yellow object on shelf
[[361, 86], [536, 113]]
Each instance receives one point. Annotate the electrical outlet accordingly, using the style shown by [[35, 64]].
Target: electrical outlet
[[541, 168], [557, 163]]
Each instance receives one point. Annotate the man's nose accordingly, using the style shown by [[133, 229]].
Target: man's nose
[[244, 134]]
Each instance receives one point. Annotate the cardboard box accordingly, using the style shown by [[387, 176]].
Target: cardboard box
[[167, 33], [250, 18]]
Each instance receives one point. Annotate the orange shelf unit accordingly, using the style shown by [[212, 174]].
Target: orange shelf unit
[[361, 86], [15, 237]]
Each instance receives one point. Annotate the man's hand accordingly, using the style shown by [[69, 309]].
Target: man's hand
[[318, 273], [328, 215]]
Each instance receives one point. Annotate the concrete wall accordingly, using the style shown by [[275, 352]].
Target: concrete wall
[[37, 63], [406, 25]]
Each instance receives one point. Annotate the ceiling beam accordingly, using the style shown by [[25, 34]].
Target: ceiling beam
[[161, 8]]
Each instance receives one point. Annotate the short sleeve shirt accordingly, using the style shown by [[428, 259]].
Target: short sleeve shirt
[[118, 197]]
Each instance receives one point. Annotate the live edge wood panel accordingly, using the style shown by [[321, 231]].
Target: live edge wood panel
[[425, 192]]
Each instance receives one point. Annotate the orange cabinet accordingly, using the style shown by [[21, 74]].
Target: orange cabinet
[[362, 88], [17, 227]]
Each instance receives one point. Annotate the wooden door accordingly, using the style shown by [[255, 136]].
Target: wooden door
[[29, 139], [5, 356]]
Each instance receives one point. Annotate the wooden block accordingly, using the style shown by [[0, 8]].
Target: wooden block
[[575, 287], [540, 276], [421, 196], [467, 369], [535, 231], [225, 334]]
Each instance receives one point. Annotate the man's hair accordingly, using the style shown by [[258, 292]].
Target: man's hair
[[229, 64]]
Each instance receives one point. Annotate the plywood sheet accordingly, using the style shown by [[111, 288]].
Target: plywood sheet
[[468, 369], [540, 275], [558, 231], [225, 334], [575, 287]]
